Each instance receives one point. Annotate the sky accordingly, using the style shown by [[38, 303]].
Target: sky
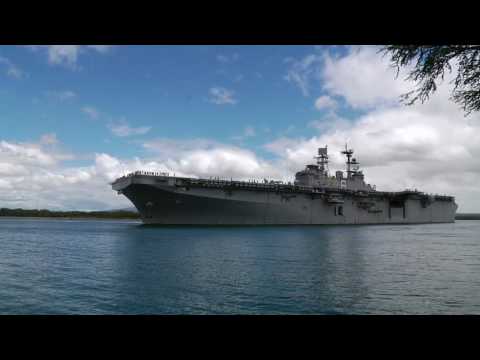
[[75, 117]]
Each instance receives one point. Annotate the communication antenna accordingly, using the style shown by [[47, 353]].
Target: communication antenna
[[348, 153], [322, 159]]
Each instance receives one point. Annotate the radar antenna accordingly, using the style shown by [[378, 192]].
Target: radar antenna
[[322, 159], [355, 165], [348, 153]]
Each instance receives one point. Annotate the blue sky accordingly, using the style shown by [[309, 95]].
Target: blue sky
[[166, 88], [73, 118]]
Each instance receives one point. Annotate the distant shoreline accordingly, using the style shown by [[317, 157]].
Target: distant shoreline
[[118, 214], [67, 219]]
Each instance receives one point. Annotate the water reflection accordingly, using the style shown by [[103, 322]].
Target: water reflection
[[244, 270]]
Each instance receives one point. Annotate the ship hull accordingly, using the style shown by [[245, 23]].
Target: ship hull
[[165, 203]]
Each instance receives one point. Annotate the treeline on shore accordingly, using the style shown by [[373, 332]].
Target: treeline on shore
[[118, 214]]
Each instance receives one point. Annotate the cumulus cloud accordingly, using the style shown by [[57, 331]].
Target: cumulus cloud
[[49, 139], [165, 148], [92, 112], [12, 70], [325, 102], [221, 96], [40, 178], [364, 78], [397, 147], [248, 132], [401, 148], [100, 48], [205, 158], [226, 59], [67, 55], [10, 169], [63, 54], [31, 154], [122, 129], [431, 146], [63, 95], [225, 162], [34, 175], [302, 72]]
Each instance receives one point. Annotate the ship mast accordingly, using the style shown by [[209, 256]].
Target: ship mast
[[349, 153], [322, 159]]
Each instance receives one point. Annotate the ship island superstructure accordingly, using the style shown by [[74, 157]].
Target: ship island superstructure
[[315, 197]]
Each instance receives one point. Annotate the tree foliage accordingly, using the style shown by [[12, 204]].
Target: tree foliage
[[118, 214], [429, 66]]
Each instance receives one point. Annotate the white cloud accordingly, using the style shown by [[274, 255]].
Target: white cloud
[[398, 147], [331, 117], [249, 131], [170, 148], [5, 185], [222, 96], [67, 55], [30, 171], [34, 184], [325, 102], [205, 158], [100, 48], [65, 95], [364, 78], [12, 70], [91, 112], [49, 139], [302, 72], [226, 59], [32, 154], [238, 78], [15, 72], [10, 169], [33, 175], [431, 147], [63, 54], [226, 162], [122, 129], [402, 148]]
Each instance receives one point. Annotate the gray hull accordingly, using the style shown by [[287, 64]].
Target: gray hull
[[167, 201]]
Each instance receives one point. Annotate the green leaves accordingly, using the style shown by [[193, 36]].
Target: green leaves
[[430, 64]]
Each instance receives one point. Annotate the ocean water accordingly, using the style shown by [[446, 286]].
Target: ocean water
[[122, 267]]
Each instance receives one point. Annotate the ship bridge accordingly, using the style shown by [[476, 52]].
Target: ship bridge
[[317, 175]]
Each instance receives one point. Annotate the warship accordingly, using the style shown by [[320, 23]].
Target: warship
[[314, 197]]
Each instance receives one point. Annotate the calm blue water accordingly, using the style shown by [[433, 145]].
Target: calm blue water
[[120, 267]]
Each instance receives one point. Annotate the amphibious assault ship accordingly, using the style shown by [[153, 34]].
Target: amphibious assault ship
[[314, 197]]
